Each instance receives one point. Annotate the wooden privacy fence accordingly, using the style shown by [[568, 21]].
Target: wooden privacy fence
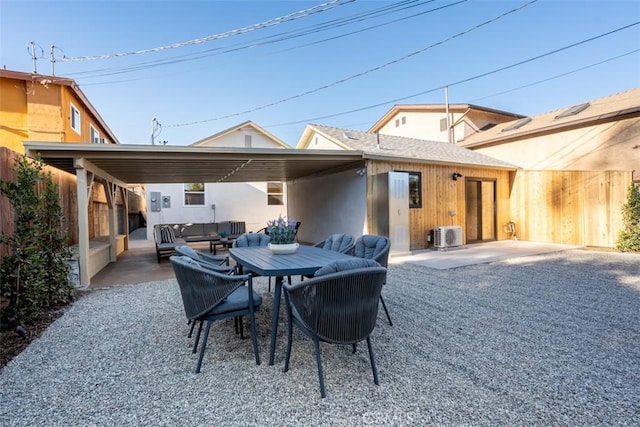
[[570, 207], [66, 188], [98, 212]]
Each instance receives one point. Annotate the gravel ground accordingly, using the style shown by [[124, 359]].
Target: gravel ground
[[542, 340]]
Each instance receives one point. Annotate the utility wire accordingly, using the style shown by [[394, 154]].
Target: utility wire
[[371, 70], [275, 38], [478, 76], [271, 22], [557, 76]]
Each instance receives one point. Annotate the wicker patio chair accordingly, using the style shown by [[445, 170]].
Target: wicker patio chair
[[339, 305], [371, 246], [218, 263], [212, 262], [208, 296], [337, 242]]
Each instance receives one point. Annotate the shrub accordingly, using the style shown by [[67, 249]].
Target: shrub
[[629, 237], [34, 275]]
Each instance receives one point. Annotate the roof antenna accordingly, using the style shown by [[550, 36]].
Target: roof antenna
[[32, 49]]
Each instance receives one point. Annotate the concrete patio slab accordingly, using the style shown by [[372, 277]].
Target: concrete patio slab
[[479, 253]]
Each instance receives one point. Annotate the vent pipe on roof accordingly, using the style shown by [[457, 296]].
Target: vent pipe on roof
[[446, 109], [378, 140]]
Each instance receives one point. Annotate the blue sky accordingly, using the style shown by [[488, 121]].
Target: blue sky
[[345, 76]]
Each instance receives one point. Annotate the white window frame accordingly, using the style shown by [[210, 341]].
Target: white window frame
[[275, 197], [74, 119], [186, 192], [247, 141], [94, 135]]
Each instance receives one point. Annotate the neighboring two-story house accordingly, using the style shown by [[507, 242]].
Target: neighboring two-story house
[[35, 107]]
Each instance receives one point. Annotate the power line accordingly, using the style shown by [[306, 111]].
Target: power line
[[346, 79], [271, 22], [460, 81], [557, 76], [276, 38]]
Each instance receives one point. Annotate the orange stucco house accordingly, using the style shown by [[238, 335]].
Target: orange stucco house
[[36, 107]]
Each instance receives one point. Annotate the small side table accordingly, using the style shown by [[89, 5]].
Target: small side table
[[224, 243]]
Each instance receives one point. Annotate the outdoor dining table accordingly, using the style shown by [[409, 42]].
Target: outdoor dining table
[[261, 261]]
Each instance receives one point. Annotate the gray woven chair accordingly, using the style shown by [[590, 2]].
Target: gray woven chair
[[371, 246], [208, 296], [339, 305], [251, 239], [337, 242], [218, 263], [212, 262]]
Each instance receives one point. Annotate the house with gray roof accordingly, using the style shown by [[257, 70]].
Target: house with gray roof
[[437, 198]]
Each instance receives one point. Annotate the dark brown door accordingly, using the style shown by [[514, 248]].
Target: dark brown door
[[480, 202]]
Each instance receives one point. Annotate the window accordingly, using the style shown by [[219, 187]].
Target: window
[[247, 141], [404, 120], [194, 194], [397, 122], [75, 119], [415, 189], [94, 135], [443, 125], [275, 193]]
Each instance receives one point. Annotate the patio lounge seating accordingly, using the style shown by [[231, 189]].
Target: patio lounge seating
[[339, 305], [375, 247], [209, 296]]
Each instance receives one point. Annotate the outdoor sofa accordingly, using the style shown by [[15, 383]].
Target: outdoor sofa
[[168, 236]]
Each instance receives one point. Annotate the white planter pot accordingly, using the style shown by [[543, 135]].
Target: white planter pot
[[283, 249]]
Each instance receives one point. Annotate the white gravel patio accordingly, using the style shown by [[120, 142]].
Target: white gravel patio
[[550, 339]]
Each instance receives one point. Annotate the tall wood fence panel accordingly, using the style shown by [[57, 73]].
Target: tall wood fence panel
[[569, 207], [98, 211]]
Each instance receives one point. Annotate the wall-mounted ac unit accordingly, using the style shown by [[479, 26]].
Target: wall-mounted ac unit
[[447, 237]]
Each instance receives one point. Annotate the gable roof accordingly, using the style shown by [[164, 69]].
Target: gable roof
[[241, 126], [434, 108], [397, 148], [62, 81], [614, 107]]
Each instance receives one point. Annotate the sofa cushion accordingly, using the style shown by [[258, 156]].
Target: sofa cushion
[[167, 235]]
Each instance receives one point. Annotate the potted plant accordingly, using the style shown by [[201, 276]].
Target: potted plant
[[283, 235], [223, 236]]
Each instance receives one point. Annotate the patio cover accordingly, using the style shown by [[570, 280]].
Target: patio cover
[[120, 165]]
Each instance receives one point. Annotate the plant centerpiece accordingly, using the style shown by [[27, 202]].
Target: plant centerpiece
[[283, 235], [223, 236]]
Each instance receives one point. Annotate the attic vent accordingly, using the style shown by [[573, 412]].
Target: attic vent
[[517, 125], [573, 110], [349, 136]]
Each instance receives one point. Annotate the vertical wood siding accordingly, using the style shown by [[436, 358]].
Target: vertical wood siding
[[442, 195], [571, 207]]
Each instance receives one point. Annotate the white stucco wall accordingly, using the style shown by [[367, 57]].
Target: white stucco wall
[[234, 202], [329, 204]]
